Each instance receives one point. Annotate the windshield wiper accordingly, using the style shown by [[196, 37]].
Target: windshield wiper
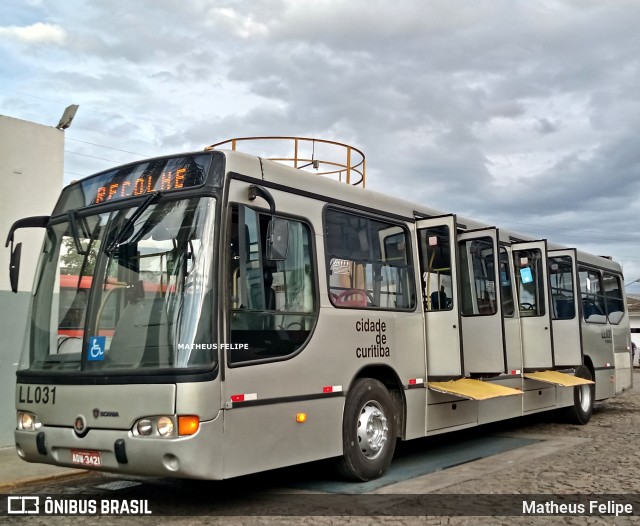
[[124, 227], [73, 222]]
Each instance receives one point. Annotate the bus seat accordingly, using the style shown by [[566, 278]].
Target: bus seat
[[141, 336], [616, 317], [564, 307], [352, 298], [592, 311]]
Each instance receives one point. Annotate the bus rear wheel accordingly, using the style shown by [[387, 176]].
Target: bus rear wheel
[[369, 431], [583, 397]]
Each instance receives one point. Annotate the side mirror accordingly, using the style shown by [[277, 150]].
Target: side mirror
[[14, 267], [16, 252], [277, 239]]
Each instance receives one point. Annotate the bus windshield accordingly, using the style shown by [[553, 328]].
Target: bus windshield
[[126, 290]]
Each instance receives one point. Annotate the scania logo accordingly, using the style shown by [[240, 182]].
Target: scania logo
[[97, 413], [79, 425]]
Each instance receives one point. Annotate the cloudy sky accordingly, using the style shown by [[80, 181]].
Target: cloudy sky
[[522, 114]]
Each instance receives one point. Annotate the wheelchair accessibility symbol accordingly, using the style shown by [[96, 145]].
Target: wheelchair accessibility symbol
[[96, 348]]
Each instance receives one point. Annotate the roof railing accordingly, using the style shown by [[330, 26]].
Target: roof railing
[[327, 158]]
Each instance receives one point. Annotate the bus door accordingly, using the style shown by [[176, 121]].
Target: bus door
[[480, 302], [510, 319], [565, 312], [440, 295], [271, 309], [531, 278], [618, 328]]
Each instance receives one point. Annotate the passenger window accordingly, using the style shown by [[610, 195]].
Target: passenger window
[[613, 297], [562, 289], [435, 264], [369, 263], [530, 282], [478, 277], [593, 301], [273, 303]]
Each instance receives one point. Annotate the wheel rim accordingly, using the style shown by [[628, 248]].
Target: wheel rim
[[373, 430], [584, 397]]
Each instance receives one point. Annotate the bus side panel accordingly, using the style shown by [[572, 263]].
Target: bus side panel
[[202, 399], [262, 437], [499, 408], [624, 371], [598, 348], [620, 334]]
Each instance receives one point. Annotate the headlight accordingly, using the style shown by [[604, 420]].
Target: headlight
[[144, 427], [165, 426], [28, 421]]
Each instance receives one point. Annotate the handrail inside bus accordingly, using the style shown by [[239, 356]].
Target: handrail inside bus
[[329, 158]]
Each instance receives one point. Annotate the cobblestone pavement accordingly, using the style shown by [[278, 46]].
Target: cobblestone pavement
[[603, 458]]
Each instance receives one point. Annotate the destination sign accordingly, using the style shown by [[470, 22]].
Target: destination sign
[[168, 181], [166, 174], [160, 175]]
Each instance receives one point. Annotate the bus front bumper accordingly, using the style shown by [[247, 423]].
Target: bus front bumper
[[198, 456]]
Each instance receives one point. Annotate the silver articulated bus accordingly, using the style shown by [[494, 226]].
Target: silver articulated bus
[[213, 314]]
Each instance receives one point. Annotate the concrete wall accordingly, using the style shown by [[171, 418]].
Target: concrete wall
[[31, 177]]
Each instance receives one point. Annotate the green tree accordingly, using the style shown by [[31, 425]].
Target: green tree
[[73, 261]]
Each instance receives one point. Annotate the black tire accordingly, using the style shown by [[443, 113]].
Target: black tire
[[583, 397], [369, 431]]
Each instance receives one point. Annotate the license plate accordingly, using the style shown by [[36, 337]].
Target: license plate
[[86, 458]]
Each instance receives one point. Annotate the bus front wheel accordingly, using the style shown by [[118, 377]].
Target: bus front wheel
[[369, 431]]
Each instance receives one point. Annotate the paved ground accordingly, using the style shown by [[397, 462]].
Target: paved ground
[[16, 473], [601, 458]]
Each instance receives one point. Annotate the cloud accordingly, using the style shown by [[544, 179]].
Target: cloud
[[522, 114], [38, 33], [545, 125], [239, 24]]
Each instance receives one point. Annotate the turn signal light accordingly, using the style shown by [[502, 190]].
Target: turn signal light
[[301, 418], [188, 425]]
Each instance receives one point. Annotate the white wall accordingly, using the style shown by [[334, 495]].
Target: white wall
[[31, 177]]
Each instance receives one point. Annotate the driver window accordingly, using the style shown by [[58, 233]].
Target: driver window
[[273, 308]]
